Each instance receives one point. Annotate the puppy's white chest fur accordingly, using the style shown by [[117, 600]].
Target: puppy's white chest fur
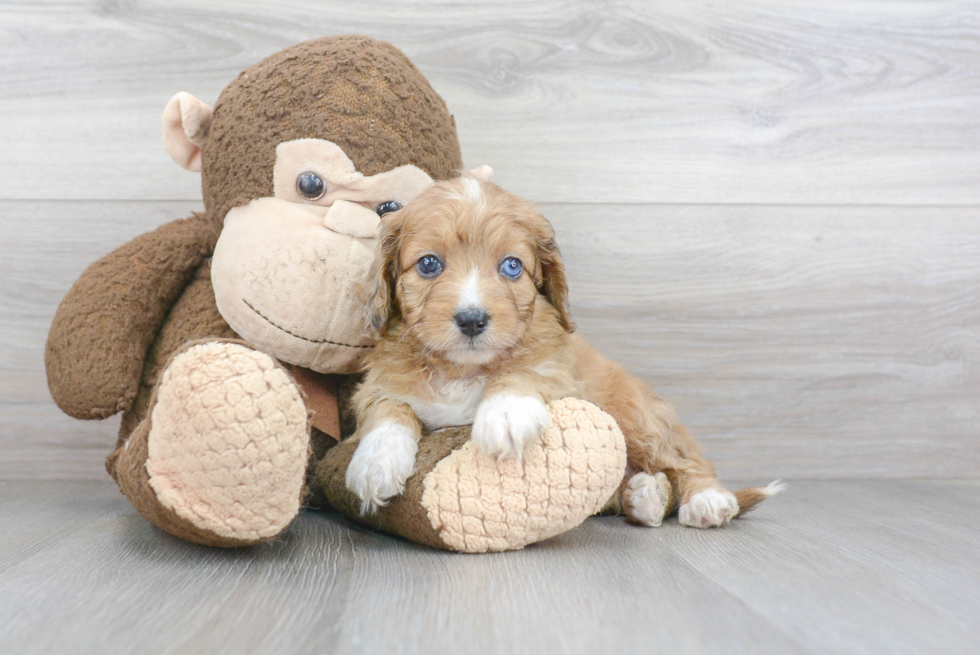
[[446, 402]]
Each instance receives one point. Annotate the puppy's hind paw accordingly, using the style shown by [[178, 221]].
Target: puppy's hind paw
[[645, 499], [506, 424], [383, 461], [708, 509]]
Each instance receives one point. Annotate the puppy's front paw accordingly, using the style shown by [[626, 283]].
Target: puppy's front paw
[[708, 509], [506, 424], [384, 459]]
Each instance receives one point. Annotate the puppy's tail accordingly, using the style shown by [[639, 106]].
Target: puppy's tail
[[749, 497]]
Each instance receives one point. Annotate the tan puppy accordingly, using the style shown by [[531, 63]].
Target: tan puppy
[[470, 300]]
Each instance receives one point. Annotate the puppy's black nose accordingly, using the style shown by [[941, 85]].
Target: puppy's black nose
[[472, 322]]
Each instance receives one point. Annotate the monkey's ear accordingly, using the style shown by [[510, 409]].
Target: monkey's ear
[[483, 173], [384, 274], [185, 129]]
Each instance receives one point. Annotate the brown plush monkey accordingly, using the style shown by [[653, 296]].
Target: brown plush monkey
[[226, 338]]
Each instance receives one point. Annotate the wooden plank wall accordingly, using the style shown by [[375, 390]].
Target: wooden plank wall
[[769, 209]]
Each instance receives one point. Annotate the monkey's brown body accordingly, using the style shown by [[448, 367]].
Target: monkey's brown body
[[210, 423]]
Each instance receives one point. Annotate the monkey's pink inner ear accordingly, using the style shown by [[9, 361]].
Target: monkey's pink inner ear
[[483, 173], [185, 129]]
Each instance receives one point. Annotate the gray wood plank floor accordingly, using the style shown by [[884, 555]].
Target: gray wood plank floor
[[828, 567]]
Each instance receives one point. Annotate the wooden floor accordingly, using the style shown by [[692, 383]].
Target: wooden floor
[[828, 567]]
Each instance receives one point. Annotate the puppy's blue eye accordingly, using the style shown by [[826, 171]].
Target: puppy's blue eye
[[388, 206], [512, 267], [428, 266]]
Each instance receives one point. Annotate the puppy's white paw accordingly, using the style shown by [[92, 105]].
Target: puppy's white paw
[[708, 509], [384, 459], [645, 498], [506, 424]]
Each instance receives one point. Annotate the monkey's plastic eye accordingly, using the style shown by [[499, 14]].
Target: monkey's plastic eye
[[310, 185], [388, 206], [512, 267], [428, 266]]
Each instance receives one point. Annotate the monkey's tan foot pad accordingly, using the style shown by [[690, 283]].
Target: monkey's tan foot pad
[[228, 445], [461, 499], [477, 503]]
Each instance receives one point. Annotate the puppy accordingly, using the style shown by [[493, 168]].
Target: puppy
[[470, 300]]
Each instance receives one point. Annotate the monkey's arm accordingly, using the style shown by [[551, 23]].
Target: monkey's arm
[[108, 320]]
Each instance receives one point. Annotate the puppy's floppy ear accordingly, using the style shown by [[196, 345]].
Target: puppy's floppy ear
[[384, 273], [553, 284]]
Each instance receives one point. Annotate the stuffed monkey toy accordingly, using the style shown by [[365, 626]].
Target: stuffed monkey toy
[[230, 339]]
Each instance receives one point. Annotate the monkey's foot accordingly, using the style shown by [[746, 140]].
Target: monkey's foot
[[226, 448], [460, 498]]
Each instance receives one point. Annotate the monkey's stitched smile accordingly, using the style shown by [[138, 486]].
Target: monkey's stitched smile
[[293, 334]]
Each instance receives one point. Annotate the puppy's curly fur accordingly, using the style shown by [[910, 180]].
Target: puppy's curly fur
[[471, 302]]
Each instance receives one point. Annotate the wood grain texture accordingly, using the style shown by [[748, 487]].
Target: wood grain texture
[[796, 341], [842, 567], [686, 101], [44, 247], [800, 342]]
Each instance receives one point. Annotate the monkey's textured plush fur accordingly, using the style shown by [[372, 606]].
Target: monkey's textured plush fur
[[130, 311], [209, 448]]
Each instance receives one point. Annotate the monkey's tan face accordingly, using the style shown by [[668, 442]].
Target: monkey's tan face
[[309, 246]]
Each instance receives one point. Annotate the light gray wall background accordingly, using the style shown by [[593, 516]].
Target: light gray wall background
[[769, 210]]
